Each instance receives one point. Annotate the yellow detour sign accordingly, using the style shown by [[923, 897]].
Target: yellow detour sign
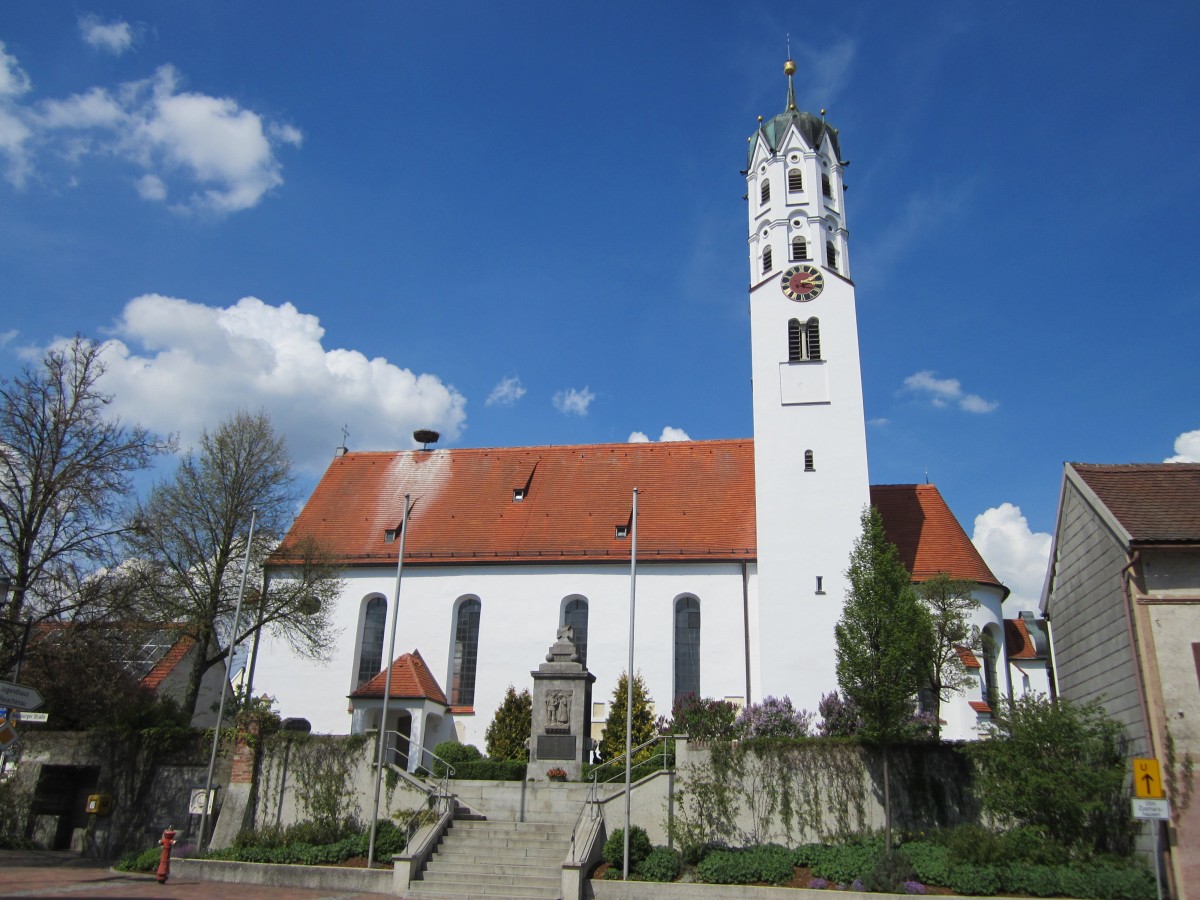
[[1147, 780]]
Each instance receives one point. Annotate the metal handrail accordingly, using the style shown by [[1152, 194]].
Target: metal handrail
[[438, 798]]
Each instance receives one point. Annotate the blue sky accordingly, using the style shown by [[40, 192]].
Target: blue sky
[[523, 223]]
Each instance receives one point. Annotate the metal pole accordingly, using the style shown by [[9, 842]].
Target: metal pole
[[237, 615], [387, 684], [629, 679], [262, 606]]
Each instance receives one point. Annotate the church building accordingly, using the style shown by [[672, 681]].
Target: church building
[[741, 545]]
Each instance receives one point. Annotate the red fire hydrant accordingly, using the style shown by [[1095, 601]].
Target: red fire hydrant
[[164, 863]]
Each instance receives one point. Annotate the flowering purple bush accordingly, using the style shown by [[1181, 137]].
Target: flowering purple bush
[[839, 717], [818, 884], [914, 887], [775, 717], [857, 885], [704, 719]]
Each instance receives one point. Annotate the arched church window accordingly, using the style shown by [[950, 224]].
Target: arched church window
[[795, 180], [831, 255], [575, 614], [799, 248], [988, 674], [826, 187], [766, 260], [765, 192], [370, 654], [466, 653], [812, 331], [687, 647]]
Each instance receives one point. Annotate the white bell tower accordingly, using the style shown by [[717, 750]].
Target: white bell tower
[[810, 450]]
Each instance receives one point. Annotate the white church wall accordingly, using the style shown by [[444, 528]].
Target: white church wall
[[519, 614], [961, 722]]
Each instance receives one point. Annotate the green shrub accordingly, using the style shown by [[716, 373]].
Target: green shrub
[[491, 770], [455, 754], [143, 861], [974, 845], [1035, 880], [846, 862], [889, 873], [976, 880], [930, 861], [1106, 882], [662, 864], [389, 839], [765, 862], [639, 848], [806, 854]]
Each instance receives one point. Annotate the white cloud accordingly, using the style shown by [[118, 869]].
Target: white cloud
[[825, 69], [878, 422], [573, 402], [214, 154], [114, 38], [506, 393], [1016, 555], [669, 433], [1187, 448], [943, 391], [178, 366], [638, 437], [7, 337]]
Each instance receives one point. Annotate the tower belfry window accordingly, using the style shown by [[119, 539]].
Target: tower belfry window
[[804, 340], [795, 180], [766, 260], [799, 249], [826, 187], [812, 331], [765, 193], [831, 255]]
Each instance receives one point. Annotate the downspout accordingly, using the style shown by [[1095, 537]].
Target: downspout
[[746, 625], [1126, 575]]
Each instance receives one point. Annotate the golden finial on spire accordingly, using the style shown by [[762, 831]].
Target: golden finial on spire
[[789, 68]]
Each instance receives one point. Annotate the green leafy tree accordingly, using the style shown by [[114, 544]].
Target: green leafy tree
[[65, 471], [191, 538], [612, 742], [950, 603], [511, 726], [1057, 766], [884, 644]]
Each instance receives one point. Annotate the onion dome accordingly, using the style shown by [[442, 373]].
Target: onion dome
[[813, 128]]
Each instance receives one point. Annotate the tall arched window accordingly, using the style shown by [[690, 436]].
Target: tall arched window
[[795, 180], [988, 674], [799, 248], [575, 614], [809, 463], [804, 340], [765, 193], [687, 647], [466, 653], [370, 654], [766, 260]]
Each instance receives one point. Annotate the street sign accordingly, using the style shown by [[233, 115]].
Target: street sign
[[19, 696], [1147, 779], [1151, 809], [17, 716], [8, 734]]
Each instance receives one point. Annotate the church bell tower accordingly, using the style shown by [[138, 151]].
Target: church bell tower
[[810, 453]]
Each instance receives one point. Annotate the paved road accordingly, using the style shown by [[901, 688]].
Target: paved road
[[37, 874]]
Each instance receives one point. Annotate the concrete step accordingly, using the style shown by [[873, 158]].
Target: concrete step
[[485, 856], [505, 838], [490, 878], [458, 867], [466, 890]]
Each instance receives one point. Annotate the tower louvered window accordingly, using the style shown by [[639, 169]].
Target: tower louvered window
[[810, 466], [799, 248], [804, 340], [826, 187], [795, 341], [765, 193], [766, 260], [813, 332], [831, 256], [795, 180]]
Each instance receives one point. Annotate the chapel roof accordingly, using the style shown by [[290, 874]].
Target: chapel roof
[[1018, 642], [696, 502], [411, 680], [1154, 502]]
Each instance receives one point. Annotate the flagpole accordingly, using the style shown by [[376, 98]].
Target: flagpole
[[387, 684], [629, 678]]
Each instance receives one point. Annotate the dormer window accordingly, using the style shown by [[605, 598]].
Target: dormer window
[[795, 180], [518, 495], [622, 532], [766, 260], [389, 536], [765, 193]]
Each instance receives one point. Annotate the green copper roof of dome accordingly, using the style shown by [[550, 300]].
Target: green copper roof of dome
[[813, 128]]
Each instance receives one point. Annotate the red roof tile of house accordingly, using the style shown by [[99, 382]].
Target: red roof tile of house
[[1154, 502], [929, 538], [166, 665], [695, 502], [979, 706], [1017, 641], [969, 659], [411, 680]]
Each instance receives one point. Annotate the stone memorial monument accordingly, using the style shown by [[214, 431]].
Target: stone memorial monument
[[562, 705]]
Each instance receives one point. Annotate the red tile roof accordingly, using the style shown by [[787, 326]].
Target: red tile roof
[[695, 502], [166, 665], [1017, 641], [969, 659], [929, 538], [1154, 502], [411, 680], [979, 706]]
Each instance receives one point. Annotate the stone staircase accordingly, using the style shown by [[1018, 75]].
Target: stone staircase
[[479, 858]]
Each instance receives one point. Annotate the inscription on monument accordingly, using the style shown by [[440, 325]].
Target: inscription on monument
[[556, 746]]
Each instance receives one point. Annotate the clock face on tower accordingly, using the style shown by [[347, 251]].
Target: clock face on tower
[[802, 282]]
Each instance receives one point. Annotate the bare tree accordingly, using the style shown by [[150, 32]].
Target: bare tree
[[192, 532], [65, 471], [950, 602]]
